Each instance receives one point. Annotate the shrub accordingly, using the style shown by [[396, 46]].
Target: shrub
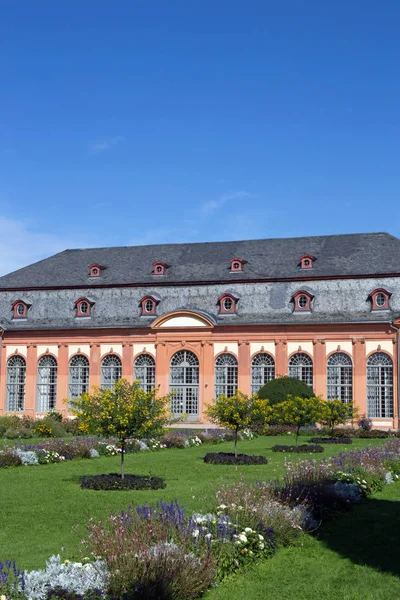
[[18, 434], [113, 481], [173, 439], [28, 458], [49, 427], [72, 576], [9, 459], [335, 440], [9, 422], [299, 449], [229, 458], [155, 552], [215, 436], [59, 593], [324, 500], [365, 423], [279, 430], [277, 390], [373, 434], [55, 415], [340, 433], [256, 506]]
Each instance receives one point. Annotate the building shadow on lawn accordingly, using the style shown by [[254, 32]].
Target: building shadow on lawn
[[368, 535]]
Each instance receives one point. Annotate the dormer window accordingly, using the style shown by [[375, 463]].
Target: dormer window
[[95, 270], [83, 307], [227, 304], [237, 264], [20, 309], [148, 306], [307, 261], [380, 299], [159, 268], [302, 301]]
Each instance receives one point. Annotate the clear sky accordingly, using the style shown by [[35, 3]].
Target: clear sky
[[146, 121]]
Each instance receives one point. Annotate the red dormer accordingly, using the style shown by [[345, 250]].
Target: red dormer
[[20, 309], [148, 306], [83, 307], [307, 261], [379, 299], [95, 270], [227, 303], [159, 268], [237, 264], [302, 301]]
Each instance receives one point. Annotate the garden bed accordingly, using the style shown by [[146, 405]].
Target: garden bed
[[229, 458], [113, 481], [303, 448]]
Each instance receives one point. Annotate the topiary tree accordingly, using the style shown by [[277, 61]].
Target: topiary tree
[[238, 412], [300, 412], [124, 411], [277, 390], [336, 412]]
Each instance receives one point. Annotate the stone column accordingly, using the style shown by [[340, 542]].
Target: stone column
[[244, 367], [281, 358], [359, 375]]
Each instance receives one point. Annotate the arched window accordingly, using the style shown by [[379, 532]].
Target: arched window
[[16, 377], [46, 383], [145, 371], [78, 376], [301, 367], [380, 386], [184, 383], [340, 377], [262, 370], [111, 371], [226, 375]]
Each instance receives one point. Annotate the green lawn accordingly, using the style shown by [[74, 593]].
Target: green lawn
[[353, 557]]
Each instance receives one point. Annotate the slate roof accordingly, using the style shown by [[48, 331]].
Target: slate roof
[[276, 258]]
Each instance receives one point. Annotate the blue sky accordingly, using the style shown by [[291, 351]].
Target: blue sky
[[149, 121]]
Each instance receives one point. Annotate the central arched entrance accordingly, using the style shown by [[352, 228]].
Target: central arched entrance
[[184, 383]]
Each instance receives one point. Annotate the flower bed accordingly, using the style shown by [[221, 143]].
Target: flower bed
[[228, 458], [340, 440], [113, 481], [163, 552], [58, 450], [304, 448]]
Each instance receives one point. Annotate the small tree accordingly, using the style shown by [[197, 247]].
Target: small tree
[[238, 412], [336, 412], [277, 390], [299, 412], [124, 411]]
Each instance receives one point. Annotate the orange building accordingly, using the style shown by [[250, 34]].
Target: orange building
[[206, 318]]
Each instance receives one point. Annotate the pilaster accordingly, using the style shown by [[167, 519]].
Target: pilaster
[[281, 357], [31, 379], [162, 368], [244, 367], [359, 375], [127, 361], [94, 369], [206, 387], [62, 377], [319, 367]]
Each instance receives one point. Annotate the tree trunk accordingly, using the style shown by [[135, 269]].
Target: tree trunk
[[122, 459], [297, 434], [235, 443]]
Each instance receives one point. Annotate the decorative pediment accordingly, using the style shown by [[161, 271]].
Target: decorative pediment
[[182, 319]]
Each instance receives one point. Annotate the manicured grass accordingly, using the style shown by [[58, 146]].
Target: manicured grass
[[41, 506], [355, 556]]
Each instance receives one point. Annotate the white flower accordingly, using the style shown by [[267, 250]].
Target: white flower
[[196, 533], [261, 545], [248, 530], [260, 537], [208, 536], [242, 538]]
